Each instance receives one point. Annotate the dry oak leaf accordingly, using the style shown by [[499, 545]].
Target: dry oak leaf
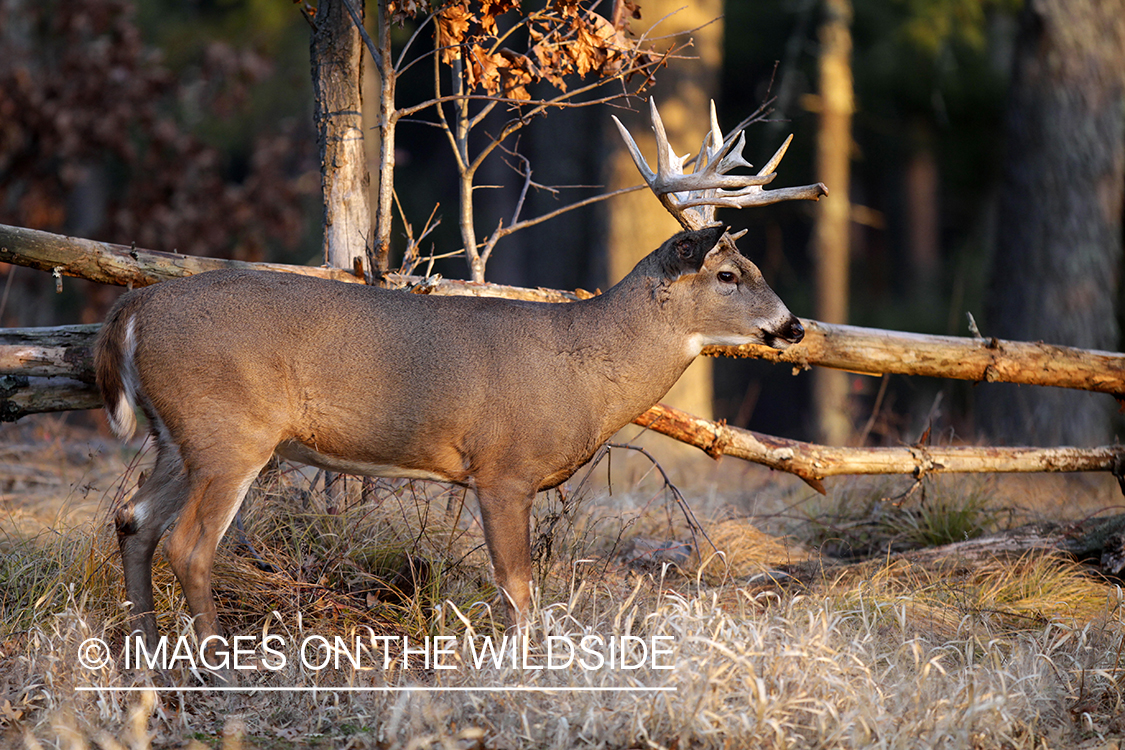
[[566, 8], [482, 70], [404, 9], [490, 9], [516, 73], [588, 48], [453, 23]]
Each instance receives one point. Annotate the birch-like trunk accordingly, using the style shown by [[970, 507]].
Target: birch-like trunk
[[337, 75]]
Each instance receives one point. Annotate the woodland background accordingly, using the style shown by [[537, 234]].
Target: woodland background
[[986, 152]]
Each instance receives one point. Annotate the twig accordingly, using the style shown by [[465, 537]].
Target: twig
[[689, 515]]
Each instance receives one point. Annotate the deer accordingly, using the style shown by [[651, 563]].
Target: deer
[[508, 398]]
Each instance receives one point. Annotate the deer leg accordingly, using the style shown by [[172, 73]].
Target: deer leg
[[212, 503], [506, 514], [140, 523]]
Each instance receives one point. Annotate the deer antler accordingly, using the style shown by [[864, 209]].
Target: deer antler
[[692, 198]]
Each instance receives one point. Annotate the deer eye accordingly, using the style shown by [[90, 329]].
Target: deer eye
[[727, 277]]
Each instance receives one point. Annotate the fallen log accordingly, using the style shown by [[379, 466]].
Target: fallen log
[[59, 375], [124, 266], [65, 351], [863, 350], [108, 263], [871, 351], [1098, 543], [21, 395]]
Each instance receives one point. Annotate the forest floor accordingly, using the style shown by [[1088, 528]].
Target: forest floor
[[1018, 652]]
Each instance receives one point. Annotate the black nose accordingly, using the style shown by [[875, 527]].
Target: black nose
[[795, 333]]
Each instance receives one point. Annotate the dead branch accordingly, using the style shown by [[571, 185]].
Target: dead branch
[[812, 462], [872, 351]]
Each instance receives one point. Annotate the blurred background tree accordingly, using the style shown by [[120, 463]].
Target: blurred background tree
[[1056, 274], [188, 125]]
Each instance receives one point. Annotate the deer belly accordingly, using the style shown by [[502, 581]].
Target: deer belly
[[292, 450]]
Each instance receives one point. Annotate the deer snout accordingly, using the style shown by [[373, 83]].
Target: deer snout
[[795, 331], [788, 333]]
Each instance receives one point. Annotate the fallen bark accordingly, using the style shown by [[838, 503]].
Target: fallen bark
[[864, 350]]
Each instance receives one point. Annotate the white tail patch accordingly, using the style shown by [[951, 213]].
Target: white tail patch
[[122, 419]]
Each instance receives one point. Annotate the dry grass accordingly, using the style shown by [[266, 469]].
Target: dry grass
[[1015, 654]]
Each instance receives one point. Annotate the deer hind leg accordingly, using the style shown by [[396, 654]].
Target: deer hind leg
[[215, 494], [506, 514], [140, 524]]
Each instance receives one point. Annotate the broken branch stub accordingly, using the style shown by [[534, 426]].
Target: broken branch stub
[[693, 197]]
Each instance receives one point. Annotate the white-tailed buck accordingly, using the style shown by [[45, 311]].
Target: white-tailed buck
[[506, 397]]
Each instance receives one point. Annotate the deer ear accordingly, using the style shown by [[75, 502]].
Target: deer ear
[[686, 251]]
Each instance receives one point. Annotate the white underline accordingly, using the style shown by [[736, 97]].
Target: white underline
[[420, 689]]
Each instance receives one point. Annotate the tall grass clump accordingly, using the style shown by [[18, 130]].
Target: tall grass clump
[[809, 671], [865, 517]]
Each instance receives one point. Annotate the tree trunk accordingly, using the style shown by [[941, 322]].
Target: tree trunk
[[1059, 245], [834, 147], [637, 223], [337, 74]]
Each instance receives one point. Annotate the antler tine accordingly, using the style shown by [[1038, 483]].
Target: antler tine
[[635, 152], [733, 157], [713, 144], [771, 165], [755, 196], [668, 165]]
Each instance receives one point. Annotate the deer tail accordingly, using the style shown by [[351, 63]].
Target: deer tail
[[116, 371]]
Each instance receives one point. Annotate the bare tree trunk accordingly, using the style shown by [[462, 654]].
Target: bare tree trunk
[[1059, 246], [636, 223], [834, 146], [337, 73]]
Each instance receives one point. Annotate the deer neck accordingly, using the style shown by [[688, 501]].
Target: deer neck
[[642, 348]]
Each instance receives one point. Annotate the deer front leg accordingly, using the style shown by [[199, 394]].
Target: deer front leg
[[505, 510]]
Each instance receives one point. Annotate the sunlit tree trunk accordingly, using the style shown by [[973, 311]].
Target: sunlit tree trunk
[[636, 223], [1058, 254], [337, 74], [834, 146]]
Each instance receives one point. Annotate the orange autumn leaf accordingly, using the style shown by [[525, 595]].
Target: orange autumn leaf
[[453, 22], [404, 9]]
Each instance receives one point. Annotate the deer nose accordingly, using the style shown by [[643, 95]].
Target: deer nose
[[794, 332]]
